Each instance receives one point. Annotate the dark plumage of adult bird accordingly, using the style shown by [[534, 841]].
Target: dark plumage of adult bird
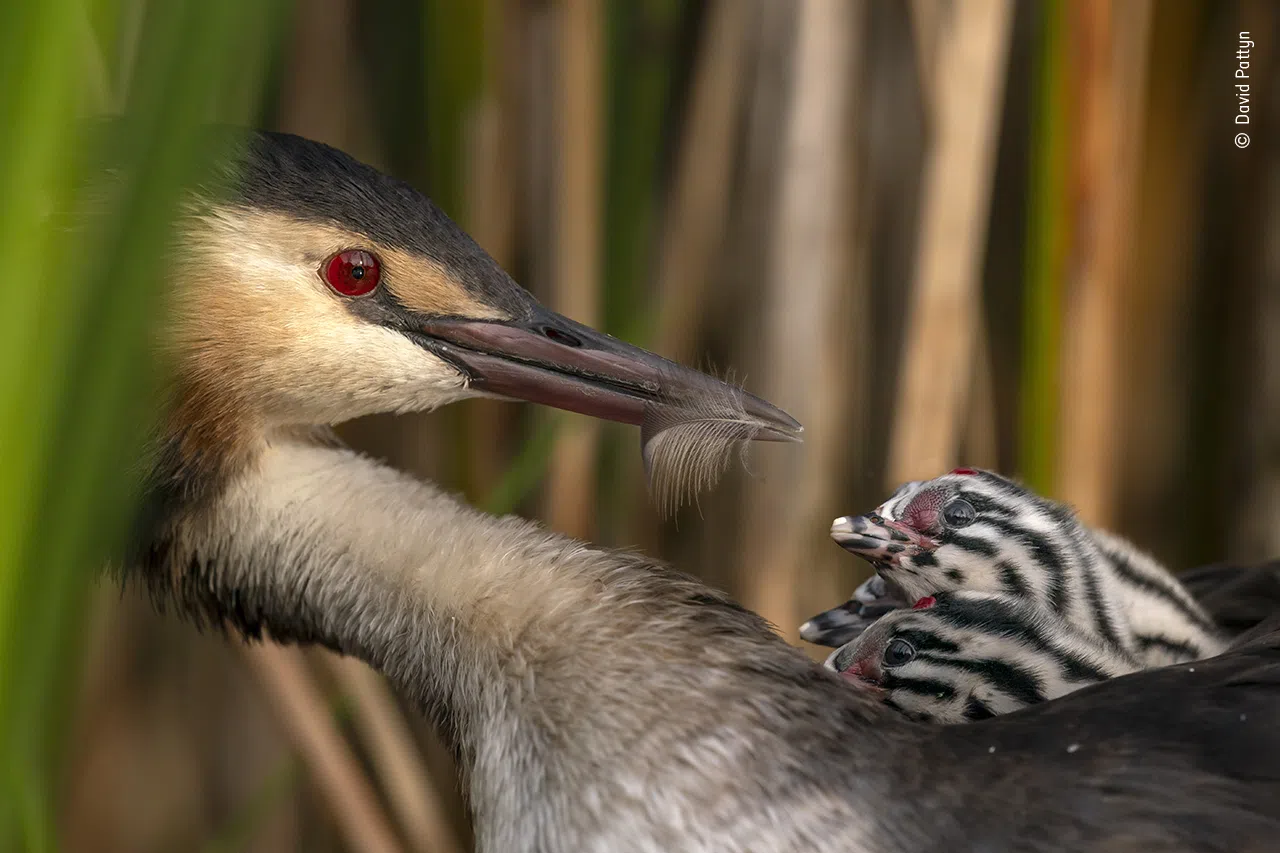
[[597, 700]]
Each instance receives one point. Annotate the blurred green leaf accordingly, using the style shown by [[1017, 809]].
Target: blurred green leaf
[[246, 823], [528, 468], [76, 377], [454, 54], [454, 49], [643, 38], [1047, 240]]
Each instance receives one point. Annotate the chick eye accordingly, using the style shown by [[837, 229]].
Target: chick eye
[[899, 652], [354, 272], [958, 513]]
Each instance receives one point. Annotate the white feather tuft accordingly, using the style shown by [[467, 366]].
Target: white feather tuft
[[686, 443]]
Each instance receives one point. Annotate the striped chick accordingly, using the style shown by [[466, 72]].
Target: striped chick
[[976, 530], [965, 656]]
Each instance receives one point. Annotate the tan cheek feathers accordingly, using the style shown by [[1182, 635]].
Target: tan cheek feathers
[[268, 244], [420, 284], [258, 330]]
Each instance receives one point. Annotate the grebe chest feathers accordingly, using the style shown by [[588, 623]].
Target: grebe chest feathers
[[596, 700], [975, 530]]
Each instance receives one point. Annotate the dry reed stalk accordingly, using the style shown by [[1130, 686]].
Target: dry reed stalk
[[804, 342], [697, 207], [575, 282], [981, 450], [699, 200], [490, 205], [944, 308], [490, 196], [1113, 41], [396, 758], [1157, 308], [1256, 536], [928, 17], [303, 713], [318, 69]]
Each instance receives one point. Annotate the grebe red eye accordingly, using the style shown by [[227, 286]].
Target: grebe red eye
[[354, 272]]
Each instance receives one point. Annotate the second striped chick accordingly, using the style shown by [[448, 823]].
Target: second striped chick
[[975, 530], [965, 656]]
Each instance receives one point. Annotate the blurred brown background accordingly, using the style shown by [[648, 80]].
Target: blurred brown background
[[1015, 235]]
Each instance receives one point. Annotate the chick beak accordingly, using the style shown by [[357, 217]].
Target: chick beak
[[837, 626], [861, 673], [872, 599], [877, 540], [549, 359]]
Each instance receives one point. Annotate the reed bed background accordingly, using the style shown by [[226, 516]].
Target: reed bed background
[[1003, 234]]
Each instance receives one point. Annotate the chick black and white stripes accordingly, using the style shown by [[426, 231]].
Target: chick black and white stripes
[[975, 530], [1169, 624], [966, 656]]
